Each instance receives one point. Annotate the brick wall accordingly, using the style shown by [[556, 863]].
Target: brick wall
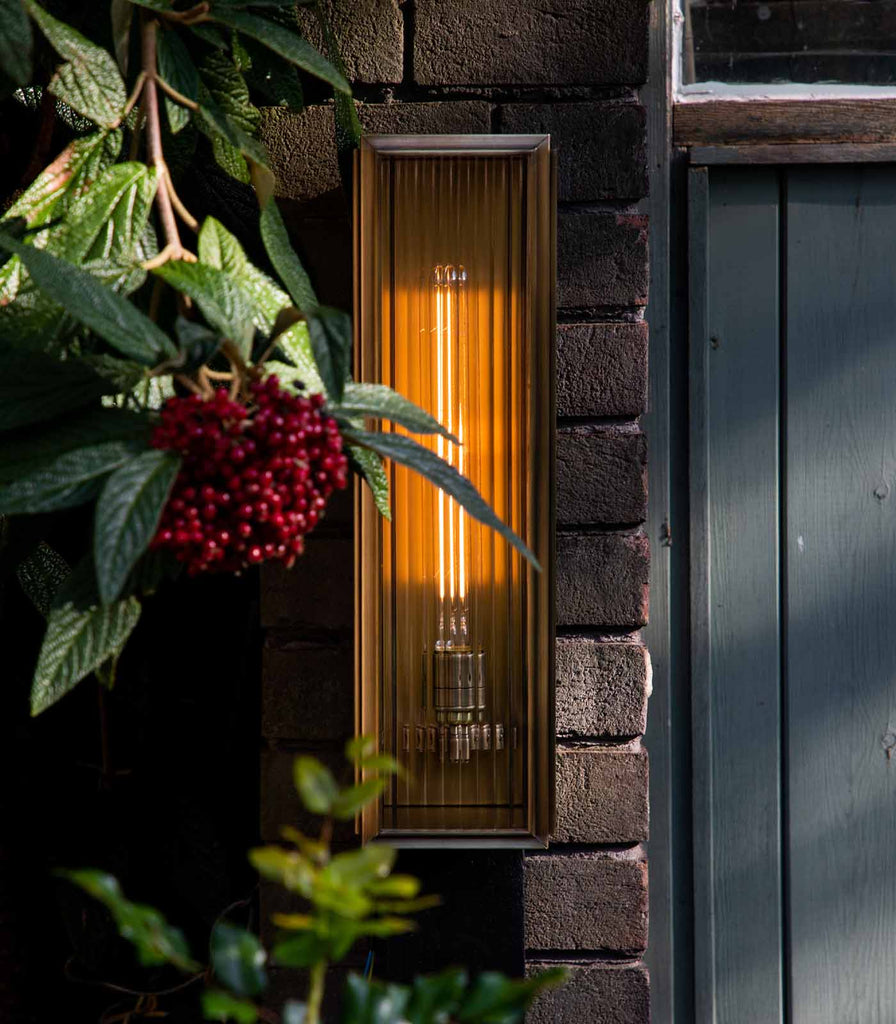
[[570, 68]]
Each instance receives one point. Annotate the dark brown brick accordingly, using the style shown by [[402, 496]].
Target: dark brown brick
[[369, 33], [586, 901], [280, 804], [601, 795], [514, 42], [307, 691], [302, 146], [317, 593], [602, 580], [601, 259], [601, 369], [601, 147], [601, 476], [602, 688], [595, 993]]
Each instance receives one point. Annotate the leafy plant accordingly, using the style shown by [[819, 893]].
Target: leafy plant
[[118, 301], [343, 897]]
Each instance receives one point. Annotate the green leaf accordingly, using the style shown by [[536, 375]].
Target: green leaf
[[351, 801], [121, 13], [285, 43], [221, 300], [176, 67], [71, 479], [156, 941], [330, 331], [409, 453], [404, 887], [434, 998], [218, 1005], [81, 635], [381, 402], [36, 387], [16, 42], [315, 784], [110, 315], [302, 950], [382, 763], [361, 867], [289, 868], [284, 258], [41, 574], [90, 81], [372, 1002], [238, 959], [358, 747], [370, 467], [276, 79], [127, 515], [496, 999], [346, 123], [69, 175], [26, 452]]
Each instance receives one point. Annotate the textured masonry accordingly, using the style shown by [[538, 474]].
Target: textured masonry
[[572, 69]]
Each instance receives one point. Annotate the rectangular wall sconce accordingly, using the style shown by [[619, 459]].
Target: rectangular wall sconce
[[454, 292]]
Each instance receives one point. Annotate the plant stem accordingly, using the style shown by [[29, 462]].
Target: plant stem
[[154, 137], [317, 975]]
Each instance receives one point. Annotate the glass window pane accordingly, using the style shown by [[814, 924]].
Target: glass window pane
[[812, 41]]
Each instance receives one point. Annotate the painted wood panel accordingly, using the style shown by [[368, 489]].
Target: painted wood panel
[[841, 593], [737, 730]]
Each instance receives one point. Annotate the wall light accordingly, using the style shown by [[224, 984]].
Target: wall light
[[454, 290]]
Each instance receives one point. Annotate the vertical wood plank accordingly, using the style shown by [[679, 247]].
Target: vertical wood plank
[[841, 586], [743, 626], [701, 698]]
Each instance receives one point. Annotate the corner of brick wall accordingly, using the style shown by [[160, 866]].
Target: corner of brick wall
[[571, 69]]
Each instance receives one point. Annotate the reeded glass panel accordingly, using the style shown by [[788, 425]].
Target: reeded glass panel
[[454, 336], [851, 42]]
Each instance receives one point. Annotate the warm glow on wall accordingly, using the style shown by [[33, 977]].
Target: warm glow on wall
[[454, 304]]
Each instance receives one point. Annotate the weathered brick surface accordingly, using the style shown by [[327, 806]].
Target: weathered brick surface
[[601, 476], [308, 691], [586, 901], [601, 147], [601, 369], [602, 688], [602, 579], [280, 805], [302, 145], [601, 259], [370, 35], [595, 993], [295, 598], [563, 42], [601, 795]]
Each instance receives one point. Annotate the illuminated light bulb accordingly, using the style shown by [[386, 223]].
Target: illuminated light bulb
[[458, 667]]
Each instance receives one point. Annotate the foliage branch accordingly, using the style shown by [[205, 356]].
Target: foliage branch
[[117, 300]]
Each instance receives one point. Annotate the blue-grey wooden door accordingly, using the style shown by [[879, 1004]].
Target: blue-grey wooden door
[[793, 584]]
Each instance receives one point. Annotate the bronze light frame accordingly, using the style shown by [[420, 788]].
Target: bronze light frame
[[538, 299]]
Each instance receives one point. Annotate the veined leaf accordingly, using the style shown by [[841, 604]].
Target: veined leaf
[[90, 81], [221, 300], [347, 125], [81, 635], [112, 317], [35, 387], [330, 331], [127, 516], [285, 260], [41, 575], [275, 78], [238, 959], [26, 452], [408, 452], [370, 466], [16, 42], [68, 480], [288, 44], [381, 402], [176, 67]]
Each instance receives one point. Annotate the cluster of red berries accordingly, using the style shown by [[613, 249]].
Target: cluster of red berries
[[254, 480]]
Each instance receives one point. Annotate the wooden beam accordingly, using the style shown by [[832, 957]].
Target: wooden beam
[[795, 153], [734, 122]]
